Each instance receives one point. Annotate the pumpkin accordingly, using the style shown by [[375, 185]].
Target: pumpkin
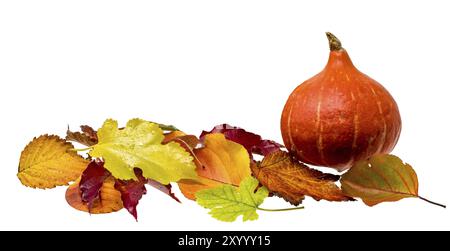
[[340, 115]]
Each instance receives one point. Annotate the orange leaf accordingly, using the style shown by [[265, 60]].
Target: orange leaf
[[293, 180], [220, 162], [110, 199], [172, 135]]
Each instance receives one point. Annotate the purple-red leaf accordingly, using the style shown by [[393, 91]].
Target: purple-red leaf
[[91, 182], [132, 191], [266, 147], [252, 142], [167, 189]]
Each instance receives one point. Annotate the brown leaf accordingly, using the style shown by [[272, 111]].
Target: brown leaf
[[109, 200], [48, 161], [87, 136], [293, 180]]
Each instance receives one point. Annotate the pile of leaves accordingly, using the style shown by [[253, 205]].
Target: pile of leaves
[[219, 170]]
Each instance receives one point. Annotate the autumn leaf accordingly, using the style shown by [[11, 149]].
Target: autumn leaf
[[139, 145], [266, 147], [171, 136], [108, 201], [228, 202], [293, 180], [92, 181], [48, 161], [252, 142], [381, 178], [222, 162], [188, 142], [167, 189], [87, 136], [131, 192]]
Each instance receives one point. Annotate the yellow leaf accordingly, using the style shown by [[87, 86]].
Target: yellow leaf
[[221, 162], [110, 199], [293, 180], [47, 162]]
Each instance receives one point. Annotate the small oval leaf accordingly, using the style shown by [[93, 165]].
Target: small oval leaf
[[379, 179]]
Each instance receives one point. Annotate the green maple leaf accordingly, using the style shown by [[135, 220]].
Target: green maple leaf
[[228, 202], [139, 145]]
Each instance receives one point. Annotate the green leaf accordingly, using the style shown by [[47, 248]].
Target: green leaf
[[227, 202], [379, 179], [139, 145]]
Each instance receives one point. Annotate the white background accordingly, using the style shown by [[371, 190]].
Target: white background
[[199, 63]]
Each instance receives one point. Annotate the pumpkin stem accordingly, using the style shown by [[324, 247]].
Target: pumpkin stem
[[335, 44]]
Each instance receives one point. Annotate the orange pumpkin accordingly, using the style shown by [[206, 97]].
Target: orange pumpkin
[[340, 115]]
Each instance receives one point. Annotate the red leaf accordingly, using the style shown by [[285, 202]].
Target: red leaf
[[167, 189], [266, 147], [132, 191], [252, 142], [91, 182]]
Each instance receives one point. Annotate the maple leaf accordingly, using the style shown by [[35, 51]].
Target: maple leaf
[[252, 142], [228, 202], [139, 145], [48, 161], [131, 192], [108, 201], [293, 180], [381, 178], [221, 162], [92, 181]]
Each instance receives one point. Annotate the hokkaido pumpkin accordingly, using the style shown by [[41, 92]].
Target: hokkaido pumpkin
[[340, 115]]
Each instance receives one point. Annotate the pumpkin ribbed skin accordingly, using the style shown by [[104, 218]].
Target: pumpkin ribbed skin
[[340, 116]]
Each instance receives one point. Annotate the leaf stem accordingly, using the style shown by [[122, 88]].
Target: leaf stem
[[280, 210], [81, 149], [432, 202]]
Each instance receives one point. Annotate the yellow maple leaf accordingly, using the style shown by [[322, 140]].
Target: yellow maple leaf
[[221, 162], [47, 162]]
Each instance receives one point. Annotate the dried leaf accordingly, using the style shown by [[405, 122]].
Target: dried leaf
[[222, 162], [167, 189], [47, 162], [139, 145], [87, 136], [132, 191], [381, 178], [108, 201], [252, 142], [266, 147], [92, 181], [228, 202], [293, 180], [172, 135]]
